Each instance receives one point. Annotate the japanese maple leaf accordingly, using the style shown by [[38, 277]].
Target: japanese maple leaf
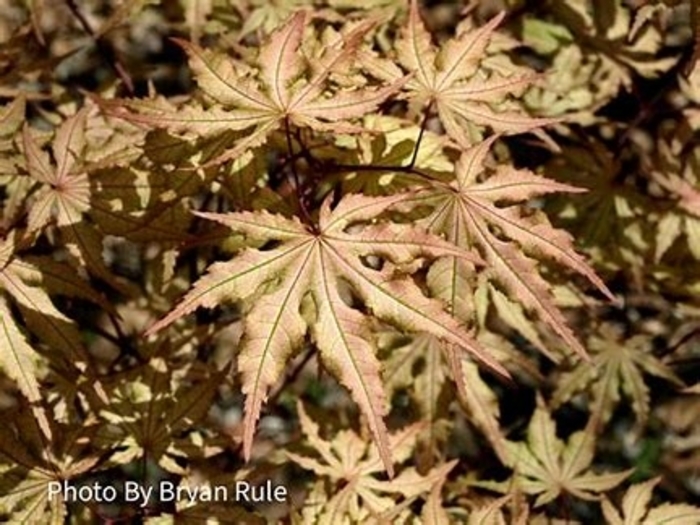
[[683, 218], [308, 281], [474, 213], [351, 463], [454, 80], [21, 363], [546, 466], [28, 283], [23, 282], [15, 186], [606, 220], [617, 367], [636, 511], [64, 193], [422, 368], [286, 90], [82, 187], [150, 414], [30, 464]]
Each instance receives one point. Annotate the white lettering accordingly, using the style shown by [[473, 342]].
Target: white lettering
[[55, 488], [242, 489], [166, 491], [131, 491], [109, 494], [70, 493], [280, 494], [220, 493], [267, 492], [201, 494], [146, 493], [87, 493], [94, 492]]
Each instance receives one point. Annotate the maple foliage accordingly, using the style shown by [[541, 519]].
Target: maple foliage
[[350, 461], [547, 467], [466, 211], [279, 98], [457, 80], [617, 368], [162, 430], [319, 263], [35, 462], [635, 508], [465, 239]]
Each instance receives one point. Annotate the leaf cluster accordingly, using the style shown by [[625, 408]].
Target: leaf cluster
[[415, 263]]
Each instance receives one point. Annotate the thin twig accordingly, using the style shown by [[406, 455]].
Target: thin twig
[[295, 174], [115, 340], [104, 51], [426, 114]]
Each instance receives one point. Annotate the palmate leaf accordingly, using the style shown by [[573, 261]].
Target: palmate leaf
[[64, 193], [617, 367], [66, 189], [19, 360], [92, 185], [28, 283], [351, 465], [547, 467], [29, 463], [152, 413], [286, 91], [681, 181], [450, 78], [636, 511], [21, 281], [609, 64], [11, 120], [424, 365], [484, 214], [610, 25], [308, 281], [606, 219]]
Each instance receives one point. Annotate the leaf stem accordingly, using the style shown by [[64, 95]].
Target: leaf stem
[[295, 174], [108, 56], [427, 110]]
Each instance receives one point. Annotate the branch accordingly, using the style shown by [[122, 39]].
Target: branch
[[109, 57], [426, 114]]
